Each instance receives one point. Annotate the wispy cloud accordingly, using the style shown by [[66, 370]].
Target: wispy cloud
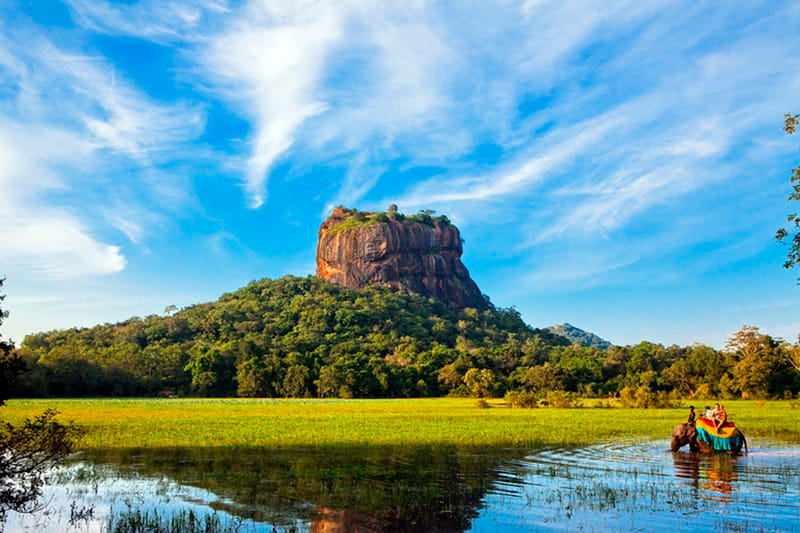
[[158, 20], [68, 123], [269, 60]]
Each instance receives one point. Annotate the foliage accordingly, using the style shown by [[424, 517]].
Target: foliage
[[561, 399], [793, 232], [793, 354], [27, 452], [305, 337], [11, 364], [522, 399], [579, 336], [643, 397], [292, 337], [353, 218], [479, 382]]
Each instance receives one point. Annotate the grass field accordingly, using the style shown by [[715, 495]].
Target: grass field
[[159, 423]]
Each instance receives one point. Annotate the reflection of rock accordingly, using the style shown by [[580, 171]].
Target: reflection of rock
[[330, 521], [411, 256], [334, 489]]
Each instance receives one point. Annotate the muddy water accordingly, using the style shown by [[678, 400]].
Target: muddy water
[[610, 487]]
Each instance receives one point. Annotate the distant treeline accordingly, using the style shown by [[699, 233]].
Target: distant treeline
[[304, 337]]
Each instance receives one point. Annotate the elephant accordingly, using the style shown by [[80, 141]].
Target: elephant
[[682, 435]]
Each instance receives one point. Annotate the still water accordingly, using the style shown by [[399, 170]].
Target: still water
[[609, 487]]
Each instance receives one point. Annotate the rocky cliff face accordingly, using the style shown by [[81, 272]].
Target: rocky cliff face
[[416, 256]]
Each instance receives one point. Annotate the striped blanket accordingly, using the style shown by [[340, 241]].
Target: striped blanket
[[727, 438]]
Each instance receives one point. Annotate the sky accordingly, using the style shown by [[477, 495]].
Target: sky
[[618, 165]]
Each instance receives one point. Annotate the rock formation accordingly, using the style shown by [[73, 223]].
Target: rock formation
[[419, 254]]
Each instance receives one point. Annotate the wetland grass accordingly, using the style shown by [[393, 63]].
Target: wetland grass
[[162, 423]]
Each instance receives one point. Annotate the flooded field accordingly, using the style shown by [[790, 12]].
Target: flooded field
[[610, 487]]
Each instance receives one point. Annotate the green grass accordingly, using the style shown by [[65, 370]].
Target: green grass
[[160, 423]]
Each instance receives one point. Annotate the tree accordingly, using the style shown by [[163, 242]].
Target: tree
[[793, 232], [11, 364], [253, 378], [755, 361], [793, 354], [29, 451], [295, 382], [479, 382]]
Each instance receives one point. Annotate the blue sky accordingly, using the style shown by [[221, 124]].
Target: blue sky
[[617, 165]]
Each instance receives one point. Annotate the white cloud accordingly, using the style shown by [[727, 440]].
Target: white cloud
[[269, 61], [55, 246], [159, 20], [36, 238], [73, 134], [551, 153]]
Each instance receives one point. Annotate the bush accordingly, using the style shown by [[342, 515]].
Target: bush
[[644, 398], [524, 399], [703, 392], [27, 453], [562, 399]]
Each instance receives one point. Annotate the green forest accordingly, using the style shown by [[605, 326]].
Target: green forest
[[305, 337]]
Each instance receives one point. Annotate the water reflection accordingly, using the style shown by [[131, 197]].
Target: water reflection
[[717, 474], [330, 488], [610, 487]]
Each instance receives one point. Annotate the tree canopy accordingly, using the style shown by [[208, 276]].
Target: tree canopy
[[792, 232], [305, 337]]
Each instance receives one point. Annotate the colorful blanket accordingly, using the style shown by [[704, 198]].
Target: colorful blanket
[[727, 438]]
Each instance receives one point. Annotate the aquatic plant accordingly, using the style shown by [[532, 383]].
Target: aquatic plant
[[182, 521]]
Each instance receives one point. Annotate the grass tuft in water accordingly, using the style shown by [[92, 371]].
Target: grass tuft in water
[[183, 521]]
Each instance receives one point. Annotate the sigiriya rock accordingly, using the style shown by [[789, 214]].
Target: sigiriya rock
[[419, 254]]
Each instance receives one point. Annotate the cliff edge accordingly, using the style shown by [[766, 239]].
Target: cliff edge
[[418, 254]]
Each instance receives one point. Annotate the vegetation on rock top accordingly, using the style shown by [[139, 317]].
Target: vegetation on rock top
[[353, 218]]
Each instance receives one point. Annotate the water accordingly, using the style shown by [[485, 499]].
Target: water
[[621, 486]]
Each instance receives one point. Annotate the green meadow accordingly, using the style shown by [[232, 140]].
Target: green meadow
[[167, 423]]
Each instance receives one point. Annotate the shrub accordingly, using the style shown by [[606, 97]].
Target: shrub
[[562, 399], [644, 398], [703, 391], [524, 399]]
